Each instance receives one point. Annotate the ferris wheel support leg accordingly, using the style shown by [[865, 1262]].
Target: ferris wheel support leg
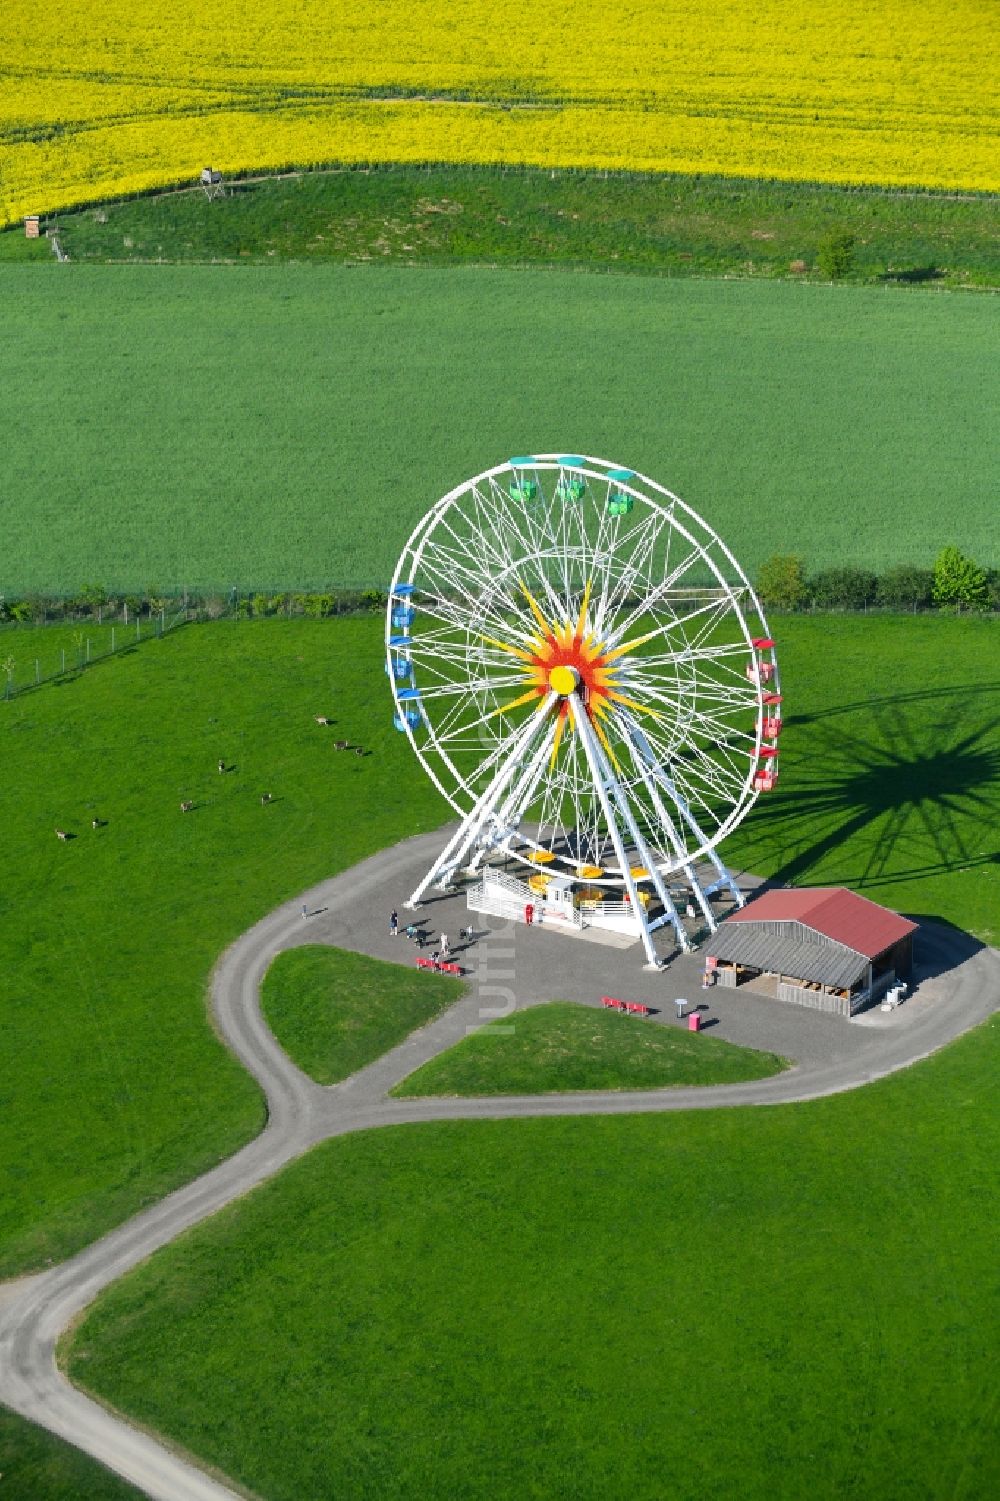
[[641, 761], [723, 878], [670, 913], [605, 783], [471, 826], [726, 880], [508, 816]]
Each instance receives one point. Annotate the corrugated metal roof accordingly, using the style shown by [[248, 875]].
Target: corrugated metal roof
[[829, 963], [833, 911]]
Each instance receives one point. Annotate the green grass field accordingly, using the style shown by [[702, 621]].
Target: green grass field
[[333, 1011], [673, 225], [116, 1088], [186, 426], [742, 1303], [563, 1047], [891, 747]]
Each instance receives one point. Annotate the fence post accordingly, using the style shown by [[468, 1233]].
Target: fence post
[[112, 640], [38, 673], [88, 648], [64, 659]]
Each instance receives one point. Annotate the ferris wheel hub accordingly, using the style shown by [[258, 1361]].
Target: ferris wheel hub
[[564, 680]]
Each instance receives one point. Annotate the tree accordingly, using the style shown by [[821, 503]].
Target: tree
[[781, 582], [843, 588], [835, 255], [993, 588], [959, 583], [93, 597], [317, 606], [905, 587]]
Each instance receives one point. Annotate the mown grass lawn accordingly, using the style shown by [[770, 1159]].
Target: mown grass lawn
[[563, 1047], [115, 1087], [757, 1302], [287, 426], [334, 1011], [890, 780]]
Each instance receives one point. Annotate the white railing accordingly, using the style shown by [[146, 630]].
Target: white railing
[[501, 895], [508, 883]]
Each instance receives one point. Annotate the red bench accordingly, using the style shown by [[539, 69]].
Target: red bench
[[438, 967], [633, 1008]]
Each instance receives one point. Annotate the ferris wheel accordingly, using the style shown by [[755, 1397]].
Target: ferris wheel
[[585, 673]]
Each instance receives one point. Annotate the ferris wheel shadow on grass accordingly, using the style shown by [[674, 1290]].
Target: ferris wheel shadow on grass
[[886, 790]]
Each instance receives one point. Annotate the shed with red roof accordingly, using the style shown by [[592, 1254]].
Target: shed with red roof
[[824, 947]]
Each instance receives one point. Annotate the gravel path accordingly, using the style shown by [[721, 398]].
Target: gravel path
[[510, 968]]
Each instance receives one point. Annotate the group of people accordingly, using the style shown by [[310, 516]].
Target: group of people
[[419, 937], [417, 934]]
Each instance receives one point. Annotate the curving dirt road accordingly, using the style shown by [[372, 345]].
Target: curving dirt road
[[960, 986]]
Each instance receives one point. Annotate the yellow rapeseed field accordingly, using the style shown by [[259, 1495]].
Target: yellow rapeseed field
[[107, 96]]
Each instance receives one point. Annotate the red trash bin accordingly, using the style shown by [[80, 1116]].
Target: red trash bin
[[694, 1021]]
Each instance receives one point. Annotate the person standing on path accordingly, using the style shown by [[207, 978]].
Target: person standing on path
[[393, 923], [305, 910], [445, 951]]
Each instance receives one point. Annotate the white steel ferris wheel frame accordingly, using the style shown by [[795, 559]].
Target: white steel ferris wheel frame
[[637, 764]]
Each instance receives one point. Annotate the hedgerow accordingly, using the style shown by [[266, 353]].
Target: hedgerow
[[954, 584]]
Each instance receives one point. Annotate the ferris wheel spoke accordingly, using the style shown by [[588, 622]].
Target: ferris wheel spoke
[[446, 688], [494, 552], [669, 702], [629, 574], [501, 533], [520, 530], [709, 616], [665, 612], [452, 569], [696, 767], [513, 622], [662, 787], [662, 590], [707, 782], [721, 654]]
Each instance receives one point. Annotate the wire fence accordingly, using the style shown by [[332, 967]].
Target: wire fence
[[68, 650], [63, 637]]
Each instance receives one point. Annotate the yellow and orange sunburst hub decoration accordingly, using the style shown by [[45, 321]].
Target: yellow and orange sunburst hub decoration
[[569, 661]]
